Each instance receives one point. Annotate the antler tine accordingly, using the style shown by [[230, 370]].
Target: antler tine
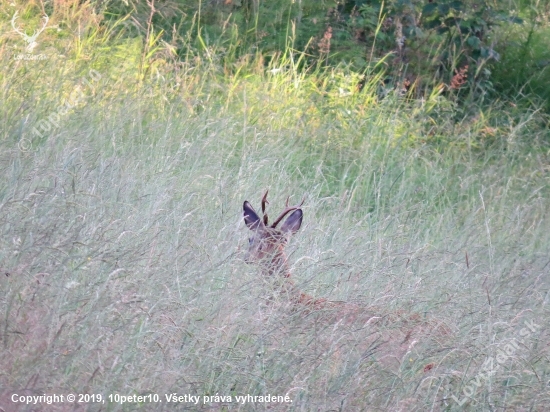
[[264, 202], [287, 210]]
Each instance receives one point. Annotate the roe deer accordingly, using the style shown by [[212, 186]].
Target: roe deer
[[399, 329], [267, 246]]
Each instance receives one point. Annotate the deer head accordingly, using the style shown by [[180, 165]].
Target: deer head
[[267, 243], [267, 248], [31, 40]]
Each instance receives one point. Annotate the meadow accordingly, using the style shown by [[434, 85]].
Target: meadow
[[122, 238]]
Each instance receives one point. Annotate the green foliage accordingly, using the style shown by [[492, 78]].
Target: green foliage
[[525, 65], [446, 41], [418, 44]]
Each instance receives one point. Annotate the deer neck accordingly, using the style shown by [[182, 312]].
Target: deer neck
[[277, 265], [278, 268]]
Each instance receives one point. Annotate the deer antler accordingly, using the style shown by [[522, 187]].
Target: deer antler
[[287, 210], [15, 28], [264, 202], [37, 32], [29, 39]]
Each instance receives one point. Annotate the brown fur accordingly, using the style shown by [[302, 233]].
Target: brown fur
[[392, 333]]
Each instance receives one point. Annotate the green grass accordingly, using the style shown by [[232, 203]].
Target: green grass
[[122, 240]]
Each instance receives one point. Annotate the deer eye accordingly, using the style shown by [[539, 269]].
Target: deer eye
[[250, 240]]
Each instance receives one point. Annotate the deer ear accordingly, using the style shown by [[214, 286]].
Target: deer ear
[[293, 222], [251, 218]]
